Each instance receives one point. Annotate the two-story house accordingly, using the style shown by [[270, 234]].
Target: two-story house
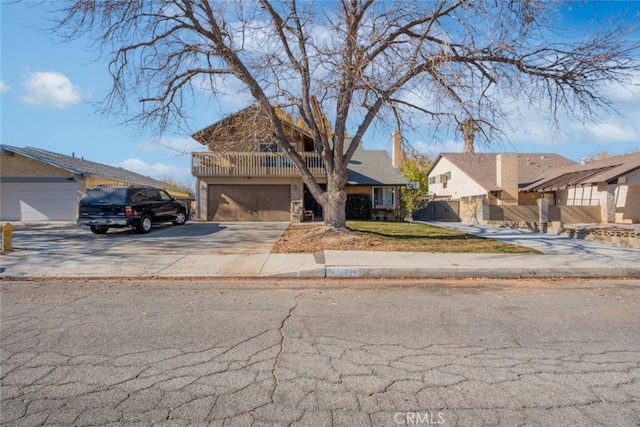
[[244, 176]]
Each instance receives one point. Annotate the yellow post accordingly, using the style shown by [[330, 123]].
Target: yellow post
[[7, 237]]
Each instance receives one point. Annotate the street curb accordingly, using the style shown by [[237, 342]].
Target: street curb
[[345, 272], [457, 273]]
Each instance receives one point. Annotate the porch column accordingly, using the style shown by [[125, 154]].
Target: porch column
[[202, 192], [543, 211], [608, 205]]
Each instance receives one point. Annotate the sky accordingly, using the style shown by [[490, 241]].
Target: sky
[[50, 91]]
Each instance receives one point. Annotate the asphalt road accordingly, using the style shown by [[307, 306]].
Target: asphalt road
[[321, 353]]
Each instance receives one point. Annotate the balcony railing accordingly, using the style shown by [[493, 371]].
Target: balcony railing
[[252, 164]]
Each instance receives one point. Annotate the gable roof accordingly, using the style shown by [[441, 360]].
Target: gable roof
[[606, 170], [201, 135], [481, 167], [80, 166], [373, 167]]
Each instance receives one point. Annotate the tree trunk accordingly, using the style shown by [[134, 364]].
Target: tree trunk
[[335, 210]]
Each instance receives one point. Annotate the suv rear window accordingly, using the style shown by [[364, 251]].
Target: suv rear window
[[106, 195], [138, 195]]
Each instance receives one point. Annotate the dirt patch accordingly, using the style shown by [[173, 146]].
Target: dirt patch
[[392, 237], [311, 238]]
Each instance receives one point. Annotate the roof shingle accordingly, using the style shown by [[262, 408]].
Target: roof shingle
[[373, 167]]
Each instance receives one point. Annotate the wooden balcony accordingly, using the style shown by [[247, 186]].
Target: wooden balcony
[[252, 164]]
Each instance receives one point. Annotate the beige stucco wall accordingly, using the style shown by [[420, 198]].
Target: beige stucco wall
[[522, 213], [358, 190], [471, 211], [631, 212], [627, 199], [460, 185], [20, 166], [575, 214]]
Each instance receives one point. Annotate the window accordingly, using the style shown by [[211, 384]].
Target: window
[[138, 195], [153, 194], [281, 160], [165, 196], [384, 196], [432, 180], [268, 148], [269, 162]]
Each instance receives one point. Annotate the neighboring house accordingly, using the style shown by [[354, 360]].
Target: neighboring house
[[246, 177], [500, 177], [372, 172], [612, 183], [38, 185]]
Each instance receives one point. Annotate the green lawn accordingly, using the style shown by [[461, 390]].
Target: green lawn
[[415, 237]]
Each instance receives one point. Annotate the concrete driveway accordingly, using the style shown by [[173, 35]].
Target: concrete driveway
[[193, 237]]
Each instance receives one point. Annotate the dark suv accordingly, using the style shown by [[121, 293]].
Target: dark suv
[[136, 206]]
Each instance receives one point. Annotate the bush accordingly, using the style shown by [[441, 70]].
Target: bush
[[358, 206]]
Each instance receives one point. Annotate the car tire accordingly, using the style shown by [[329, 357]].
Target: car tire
[[145, 224], [181, 218], [98, 229]]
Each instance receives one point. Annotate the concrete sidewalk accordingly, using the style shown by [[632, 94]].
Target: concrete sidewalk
[[561, 257]]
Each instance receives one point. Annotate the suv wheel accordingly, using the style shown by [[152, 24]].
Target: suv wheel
[[98, 229], [181, 218], [145, 224]]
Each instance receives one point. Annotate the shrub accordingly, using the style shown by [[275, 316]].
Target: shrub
[[358, 206]]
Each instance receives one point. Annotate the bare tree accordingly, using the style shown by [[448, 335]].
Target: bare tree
[[468, 129], [354, 61]]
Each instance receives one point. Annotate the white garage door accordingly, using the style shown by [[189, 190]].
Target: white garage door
[[38, 201]]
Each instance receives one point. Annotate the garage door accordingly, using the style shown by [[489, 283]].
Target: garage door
[[38, 201], [249, 203]]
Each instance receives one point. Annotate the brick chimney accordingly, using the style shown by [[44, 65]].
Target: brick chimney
[[507, 177], [397, 155]]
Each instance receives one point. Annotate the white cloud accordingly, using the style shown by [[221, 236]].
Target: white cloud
[[230, 92], [4, 87], [624, 92], [171, 145], [50, 89], [432, 149], [612, 132], [158, 171]]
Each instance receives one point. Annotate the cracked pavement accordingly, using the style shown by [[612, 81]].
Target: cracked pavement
[[320, 353]]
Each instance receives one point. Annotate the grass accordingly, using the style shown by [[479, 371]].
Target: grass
[[389, 236], [415, 237]]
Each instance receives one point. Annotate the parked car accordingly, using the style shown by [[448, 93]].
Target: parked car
[[140, 207]]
